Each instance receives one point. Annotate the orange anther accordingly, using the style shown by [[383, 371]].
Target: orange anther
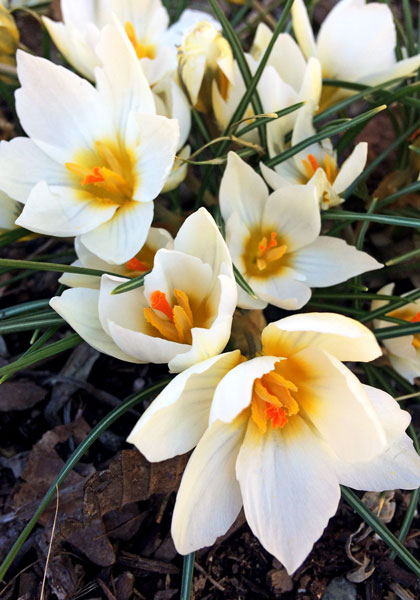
[[159, 302], [416, 318], [273, 242], [135, 264], [277, 415], [313, 161], [95, 177]]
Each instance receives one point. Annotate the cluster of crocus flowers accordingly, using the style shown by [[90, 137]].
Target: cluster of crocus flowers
[[101, 147], [269, 429]]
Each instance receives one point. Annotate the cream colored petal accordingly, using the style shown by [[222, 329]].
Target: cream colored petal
[[176, 420], [344, 338], [288, 487], [328, 261], [336, 403], [303, 29], [293, 213], [283, 290], [79, 307], [234, 392], [276, 180], [209, 498], [9, 211], [60, 211], [402, 68], [351, 168], [243, 191], [409, 369], [399, 466], [199, 236], [63, 114]]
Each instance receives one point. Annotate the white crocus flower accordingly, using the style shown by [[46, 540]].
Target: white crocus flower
[[182, 314], [316, 164], [95, 158], [9, 212], [277, 434], [138, 265], [403, 351], [275, 240], [356, 43], [204, 57], [286, 80]]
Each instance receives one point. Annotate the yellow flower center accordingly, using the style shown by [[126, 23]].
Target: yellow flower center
[[174, 323], [311, 164], [272, 401], [263, 254], [142, 48], [107, 173]]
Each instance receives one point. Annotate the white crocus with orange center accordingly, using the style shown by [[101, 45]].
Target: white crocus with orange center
[[95, 158], [275, 240], [138, 265], [315, 165], [277, 434], [403, 351], [287, 79], [356, 43], [204, 57], [182, 314]]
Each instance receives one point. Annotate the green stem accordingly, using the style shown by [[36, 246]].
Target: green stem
[[187, 574]]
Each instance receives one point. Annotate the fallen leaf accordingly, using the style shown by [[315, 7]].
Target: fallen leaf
[[20, 395]]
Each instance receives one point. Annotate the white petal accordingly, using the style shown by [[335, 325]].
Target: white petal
[[9, 210], [399, 466], [79, 307], [351, 168], [288, 487], [234, 392], [243, 191], [402, 68], [286, 57], [337, 405], [302, 28], [171, 102], [356, 39], [23, 165], [293, 213], [274, 179], [121, 82], [62, 211], [283, 291], [200, 237], [209, 498], [122, 236], [344, 338], [63, 114], [409, 369], [157, 140], [176, 420], [329, 260]]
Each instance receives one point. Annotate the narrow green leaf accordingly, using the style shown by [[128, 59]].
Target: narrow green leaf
[[403, 257], [385, 333], [37, 321], [55, 267], [46, 352], [23, 308], [279, 113], [389, 538], [242, 282], [344, 215], [132, 284], [409, 189], [80, 451]]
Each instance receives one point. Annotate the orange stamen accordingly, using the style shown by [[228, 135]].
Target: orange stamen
[[159, 302], [277, 415], [313, 161], [134, 264], [263, 246], [416, 318], [95, 177]]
